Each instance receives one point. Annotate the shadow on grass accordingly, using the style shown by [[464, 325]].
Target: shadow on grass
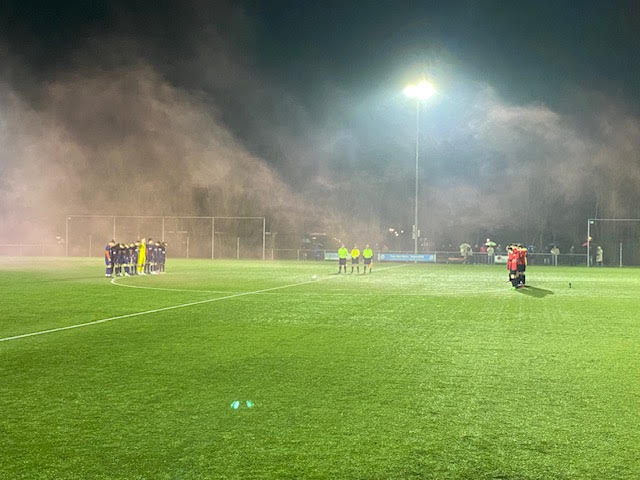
[[534, 291]]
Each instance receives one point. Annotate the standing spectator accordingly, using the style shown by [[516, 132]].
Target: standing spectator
[[572, 252], [490, 252], [555, 251], [466, 252], [599, 255]]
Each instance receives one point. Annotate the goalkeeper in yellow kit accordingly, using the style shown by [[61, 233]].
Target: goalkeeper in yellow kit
[[142, 257]]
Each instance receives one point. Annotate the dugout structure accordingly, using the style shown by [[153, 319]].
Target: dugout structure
[[619, 238], [186, 236]]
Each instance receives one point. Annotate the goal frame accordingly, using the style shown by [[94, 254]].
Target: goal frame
[[164, 218]]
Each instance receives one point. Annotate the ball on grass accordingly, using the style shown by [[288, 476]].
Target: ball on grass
[[314, 277]]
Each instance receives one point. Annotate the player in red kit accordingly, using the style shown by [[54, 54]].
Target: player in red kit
[[521, 264], [512, 264]]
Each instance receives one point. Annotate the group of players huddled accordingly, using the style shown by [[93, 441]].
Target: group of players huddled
[[517, 264], [144, 257], [367, 257]]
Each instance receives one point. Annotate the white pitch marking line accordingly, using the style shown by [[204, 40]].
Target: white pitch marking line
[[164, 309], [113, 282]]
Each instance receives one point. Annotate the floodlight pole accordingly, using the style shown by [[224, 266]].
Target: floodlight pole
[[588, 242], [415, 212]]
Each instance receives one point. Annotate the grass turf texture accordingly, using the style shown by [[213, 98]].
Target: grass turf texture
[[416, 371]]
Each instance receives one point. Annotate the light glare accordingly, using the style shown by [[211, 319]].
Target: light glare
[[421, 91]]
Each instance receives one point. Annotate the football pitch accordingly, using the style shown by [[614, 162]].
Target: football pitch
[[414, 371]]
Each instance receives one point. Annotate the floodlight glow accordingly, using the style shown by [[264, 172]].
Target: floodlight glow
[[421, 91]]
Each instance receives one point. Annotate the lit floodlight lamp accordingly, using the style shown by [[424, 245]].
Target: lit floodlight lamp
[[420, 91]]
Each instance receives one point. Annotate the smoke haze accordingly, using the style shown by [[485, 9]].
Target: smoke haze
[[122, 126]]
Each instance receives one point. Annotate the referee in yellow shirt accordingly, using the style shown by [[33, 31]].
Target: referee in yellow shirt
[[367, 256], [342, 258], [355, 258]]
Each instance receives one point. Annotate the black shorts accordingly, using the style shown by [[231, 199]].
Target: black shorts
[[522, 268], [367, 261], [342, 261], [355, 261]]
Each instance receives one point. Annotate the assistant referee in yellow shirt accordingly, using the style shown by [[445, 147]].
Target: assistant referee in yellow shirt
[[367, 255], [355, 258]]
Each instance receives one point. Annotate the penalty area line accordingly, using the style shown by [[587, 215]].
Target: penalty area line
[[163, 309]]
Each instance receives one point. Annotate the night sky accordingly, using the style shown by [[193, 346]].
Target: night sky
[[295, 110]]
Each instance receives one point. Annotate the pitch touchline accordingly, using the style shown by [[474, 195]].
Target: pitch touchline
[[164, 309]]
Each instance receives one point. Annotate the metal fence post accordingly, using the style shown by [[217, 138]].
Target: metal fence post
[[621, 254], [588, 242]]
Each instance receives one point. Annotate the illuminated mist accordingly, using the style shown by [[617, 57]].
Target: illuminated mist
[[122, 129]]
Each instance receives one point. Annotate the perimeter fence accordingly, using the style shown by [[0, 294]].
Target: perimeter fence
[[186, 236]]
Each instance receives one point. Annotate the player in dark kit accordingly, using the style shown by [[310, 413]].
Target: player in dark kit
[[163, 256], [108, 259], [153, 263], [149, 257], [116, 260], [132, 263], [113, 252], [134, 258], [125, 259]]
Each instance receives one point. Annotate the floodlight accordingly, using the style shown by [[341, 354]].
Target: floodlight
[[420, 91]]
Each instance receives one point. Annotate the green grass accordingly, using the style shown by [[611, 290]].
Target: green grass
[[416, 371]]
